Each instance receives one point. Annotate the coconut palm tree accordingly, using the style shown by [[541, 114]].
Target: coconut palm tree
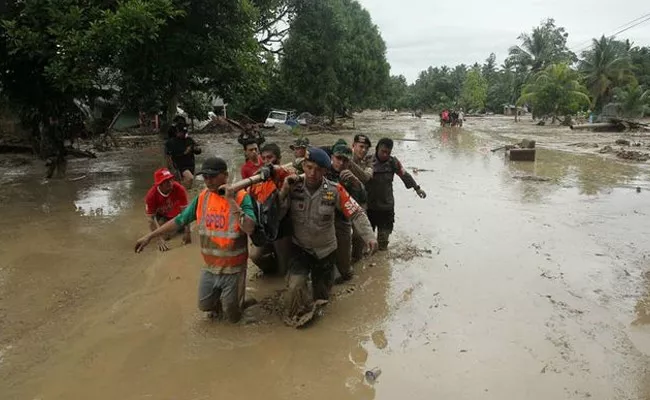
[[546, 45], [605, 66], [632, 101], [554, 91]]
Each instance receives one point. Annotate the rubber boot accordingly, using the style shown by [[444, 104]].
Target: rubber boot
[[382, 238]]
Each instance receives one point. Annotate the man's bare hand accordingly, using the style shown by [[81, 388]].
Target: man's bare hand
[[372, 246], [187, 238], [230, 194], [347, 175], [142, 243], [290, 180], [162, 245]]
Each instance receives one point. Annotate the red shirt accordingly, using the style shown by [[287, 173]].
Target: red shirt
[[166, 206], [249, 168]]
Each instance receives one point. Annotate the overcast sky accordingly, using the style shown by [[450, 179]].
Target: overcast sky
[[420, 33]]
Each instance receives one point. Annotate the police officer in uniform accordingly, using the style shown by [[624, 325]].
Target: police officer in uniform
[[312, 204]]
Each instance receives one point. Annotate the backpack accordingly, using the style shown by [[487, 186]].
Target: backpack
[[268, 220]]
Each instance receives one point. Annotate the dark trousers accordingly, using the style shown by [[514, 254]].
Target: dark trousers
[[343, 246], [383, 221], [301, 265]]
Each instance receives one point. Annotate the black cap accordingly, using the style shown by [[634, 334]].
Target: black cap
[[362, 139], [213, 166]]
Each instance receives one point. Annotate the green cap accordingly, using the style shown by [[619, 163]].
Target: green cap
[[342, 149], [300, 142]]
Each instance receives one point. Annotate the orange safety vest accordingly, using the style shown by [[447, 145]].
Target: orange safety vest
[[223, 244], [262, 191]]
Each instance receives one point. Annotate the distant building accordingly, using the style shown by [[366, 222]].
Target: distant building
[[509, 109]]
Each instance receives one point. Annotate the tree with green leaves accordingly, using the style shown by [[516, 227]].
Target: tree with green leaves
[[605, 66], [640, 60], [632, 101], [555, 91], [475, 90], [334, 59], [396, 93], [199, 47], [546, 45]]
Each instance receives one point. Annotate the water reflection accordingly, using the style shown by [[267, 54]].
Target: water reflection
[[591, 174], [106, 199]]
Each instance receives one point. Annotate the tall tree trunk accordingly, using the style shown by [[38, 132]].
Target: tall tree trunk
[[172, 103]]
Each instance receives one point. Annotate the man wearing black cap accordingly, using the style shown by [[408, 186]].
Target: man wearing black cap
[[223, 223], [311, 204], [381, 202]]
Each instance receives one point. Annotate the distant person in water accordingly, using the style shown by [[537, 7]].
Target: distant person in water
[[180, 150], [444, 117]]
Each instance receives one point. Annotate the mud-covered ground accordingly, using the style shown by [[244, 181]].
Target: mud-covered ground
[[497, 286]]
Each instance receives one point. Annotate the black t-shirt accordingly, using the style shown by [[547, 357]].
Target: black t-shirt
[[181, 151]]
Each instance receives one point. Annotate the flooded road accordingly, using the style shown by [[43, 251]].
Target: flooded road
[[494, 287]]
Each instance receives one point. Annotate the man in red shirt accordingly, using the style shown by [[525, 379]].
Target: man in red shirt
[[163, 202], [253, 159]]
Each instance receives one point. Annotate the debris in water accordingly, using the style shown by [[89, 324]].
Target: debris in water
[[531, 178], [379, 339], [622, 142], [408, 252], [305, 319], [633, 155], [373, 374], [638, 189], [584, 144], [77, 178], [606, 149]]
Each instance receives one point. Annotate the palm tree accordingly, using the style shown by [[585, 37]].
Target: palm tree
[[632, 101], [606, 66], [546, 45], [554, 91]]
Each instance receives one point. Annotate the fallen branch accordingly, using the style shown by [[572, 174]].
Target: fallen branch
[[80, 153]]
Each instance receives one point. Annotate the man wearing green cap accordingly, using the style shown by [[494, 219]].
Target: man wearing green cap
[[340, 173], [299, 148], [311, 204]]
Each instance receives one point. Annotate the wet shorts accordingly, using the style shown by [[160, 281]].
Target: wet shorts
[[382, 219], [220, 293], [183, 168]]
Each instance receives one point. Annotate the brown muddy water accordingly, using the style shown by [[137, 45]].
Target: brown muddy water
[[494, 286]]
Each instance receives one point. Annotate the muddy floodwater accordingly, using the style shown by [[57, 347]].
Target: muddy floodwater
[[496, 286]]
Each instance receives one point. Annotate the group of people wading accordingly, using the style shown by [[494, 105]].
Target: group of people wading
[[452, 118], [310, 220]]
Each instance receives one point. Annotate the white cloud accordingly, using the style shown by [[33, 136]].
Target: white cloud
[[423, 33]]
